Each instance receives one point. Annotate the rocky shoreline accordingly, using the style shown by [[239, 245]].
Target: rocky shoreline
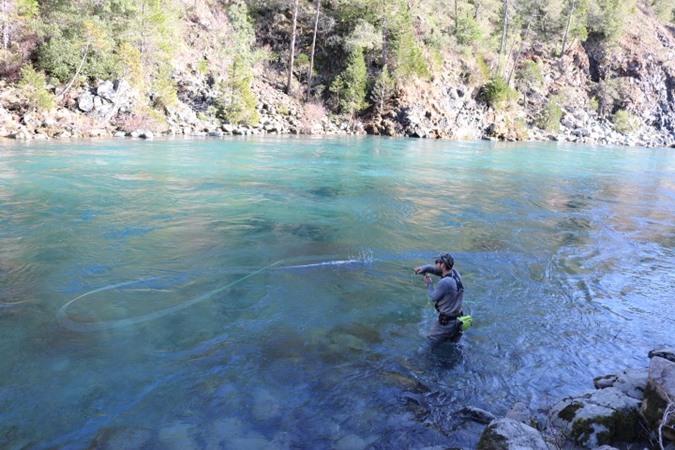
[[441, 108], [632, 409], [106, 111]]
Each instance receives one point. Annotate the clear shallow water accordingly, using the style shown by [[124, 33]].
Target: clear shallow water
[[258, 293]]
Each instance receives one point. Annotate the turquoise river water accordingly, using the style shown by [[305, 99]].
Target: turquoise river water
[[259, 293]]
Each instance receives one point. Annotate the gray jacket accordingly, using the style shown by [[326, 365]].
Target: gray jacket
[[449, 294]]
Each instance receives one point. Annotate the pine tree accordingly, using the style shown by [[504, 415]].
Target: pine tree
[[383, 90], [236, 101], [349, 88], [33, 85]]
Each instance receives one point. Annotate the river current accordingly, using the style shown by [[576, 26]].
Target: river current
[[259, 292]]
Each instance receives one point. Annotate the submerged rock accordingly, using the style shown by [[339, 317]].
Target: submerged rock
[[477, 415]]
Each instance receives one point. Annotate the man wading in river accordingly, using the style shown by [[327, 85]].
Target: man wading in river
[[447, 298]]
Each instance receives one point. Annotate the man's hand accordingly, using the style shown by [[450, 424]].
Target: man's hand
[[418, 270], [427, 279]]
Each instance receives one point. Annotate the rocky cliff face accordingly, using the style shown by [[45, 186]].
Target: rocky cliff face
[[592, 81], [587, 87]]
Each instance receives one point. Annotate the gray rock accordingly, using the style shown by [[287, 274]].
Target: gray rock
[[21, 135], [659, 395], [477, 415], [568, 122], [604, 416], [106, 90], [664, 352], [508, 434], [631, 382], [85, 102], [520, 412]]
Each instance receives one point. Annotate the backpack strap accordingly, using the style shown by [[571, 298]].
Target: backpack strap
[[460, 287]]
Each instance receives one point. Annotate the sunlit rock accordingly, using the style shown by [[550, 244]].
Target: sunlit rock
[[659, 395], [85, 102], [604, 416], [631, 382], [508, 434]]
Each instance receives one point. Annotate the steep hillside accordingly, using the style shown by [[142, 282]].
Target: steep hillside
[[599, 91]]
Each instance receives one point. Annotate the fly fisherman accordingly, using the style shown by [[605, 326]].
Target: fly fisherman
[[447, 298]]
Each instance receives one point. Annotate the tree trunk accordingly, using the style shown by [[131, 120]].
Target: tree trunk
[[516, 58], [291, 57], [311, 59], [567, 28], [505, 25], [85, 52], [5, 25], [456, 18], [384, 39]]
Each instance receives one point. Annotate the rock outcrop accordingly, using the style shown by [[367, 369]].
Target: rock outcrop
[[632, 407], [590, 87]]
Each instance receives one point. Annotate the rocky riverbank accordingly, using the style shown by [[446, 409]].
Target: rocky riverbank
[[593, 94], [631, 409]]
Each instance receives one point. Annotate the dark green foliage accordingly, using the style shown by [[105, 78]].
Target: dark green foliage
[[468, 31], [529, 74], [549, 119], [33, 85], [607, 19], [237, 103], [496, 93], [409, 59], [624, 122], [59, 56], [383, 90], [349, 88]]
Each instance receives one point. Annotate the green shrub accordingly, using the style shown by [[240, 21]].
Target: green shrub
[[594, 104], [483, 67], [33, 85], [203, 66], [529, 74], [237, 102], [625, 122], [496, 93], [164, 90], [383, 90], [59, 57], [349, 88], [549, 119], [468, 31], [410, 60]]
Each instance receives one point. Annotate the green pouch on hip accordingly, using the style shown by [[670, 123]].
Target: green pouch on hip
[[466, 321]]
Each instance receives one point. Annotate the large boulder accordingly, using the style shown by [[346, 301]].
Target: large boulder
[[659, 397], [509, 434], [600, 417], [631, 382]]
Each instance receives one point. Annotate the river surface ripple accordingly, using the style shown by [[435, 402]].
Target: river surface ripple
[[259, 293]]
